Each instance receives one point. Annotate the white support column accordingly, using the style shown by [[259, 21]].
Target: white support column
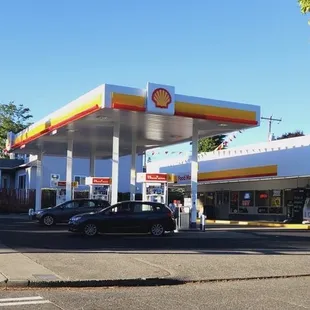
[[115, 163], [92, 162], [133, 166], [69, 170], [38, 182], [194, 176]]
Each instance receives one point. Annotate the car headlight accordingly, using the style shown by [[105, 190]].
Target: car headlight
[[39, 213], [76, 218]]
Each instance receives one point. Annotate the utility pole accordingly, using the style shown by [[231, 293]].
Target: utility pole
[[270, 120]]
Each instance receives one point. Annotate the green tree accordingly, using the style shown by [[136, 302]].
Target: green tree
[[297, 133], [13, 118], [209, 144], [304, 6]]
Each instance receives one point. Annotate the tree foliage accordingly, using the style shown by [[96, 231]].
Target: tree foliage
[[13, 118], [304, 6], [297, 133], [210, 144]]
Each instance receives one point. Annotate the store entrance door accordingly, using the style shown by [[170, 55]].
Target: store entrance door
[[207, 199], [222, 205], [298, 204]]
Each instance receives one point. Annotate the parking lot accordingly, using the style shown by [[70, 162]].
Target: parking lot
[[25, 235]]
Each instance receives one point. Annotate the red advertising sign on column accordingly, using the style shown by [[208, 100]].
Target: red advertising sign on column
[[98, 181], [101, 181], [156, 177]]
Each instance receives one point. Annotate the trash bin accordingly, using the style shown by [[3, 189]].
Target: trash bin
[[184, 219]]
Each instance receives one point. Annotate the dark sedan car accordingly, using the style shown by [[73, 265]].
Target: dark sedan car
[[126, 217], [63, 212]]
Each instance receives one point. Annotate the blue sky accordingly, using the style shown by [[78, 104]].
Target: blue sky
[[245, 51]]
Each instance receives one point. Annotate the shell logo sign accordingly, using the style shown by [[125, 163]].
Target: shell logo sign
[[161, 98]]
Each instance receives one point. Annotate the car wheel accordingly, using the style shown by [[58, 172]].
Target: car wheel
[[48, 220], [90, 229], [157, 230]]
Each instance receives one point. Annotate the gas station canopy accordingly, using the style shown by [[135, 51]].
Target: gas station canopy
[[156, 115]]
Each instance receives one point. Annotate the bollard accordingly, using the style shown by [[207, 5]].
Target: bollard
[[30, 213], [202, 222], [177, 221]]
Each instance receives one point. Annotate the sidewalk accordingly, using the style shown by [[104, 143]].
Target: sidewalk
[[17, 269], [118, 268], [258, 224]]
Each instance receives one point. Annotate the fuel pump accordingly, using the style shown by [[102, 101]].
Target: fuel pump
[[99, 187], [155, 186], [61, 191]]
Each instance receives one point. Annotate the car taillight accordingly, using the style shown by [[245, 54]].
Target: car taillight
[[170, 214]]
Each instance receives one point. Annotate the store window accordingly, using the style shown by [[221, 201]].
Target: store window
[[81, 179], [262, 201], [246, 201], [234, 199], [276, 204], [210, 198], [288, 197], [222, 198], [288, 201]]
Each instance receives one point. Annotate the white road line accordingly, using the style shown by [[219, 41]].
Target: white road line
[[21, 298], [24, 303]]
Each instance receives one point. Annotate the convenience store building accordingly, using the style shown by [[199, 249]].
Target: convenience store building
[[253, 182]]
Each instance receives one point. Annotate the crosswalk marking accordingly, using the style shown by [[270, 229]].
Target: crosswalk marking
[[23, 301]]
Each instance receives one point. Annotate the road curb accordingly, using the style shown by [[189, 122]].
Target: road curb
[[136, 282], [17, 283], [260, 224]]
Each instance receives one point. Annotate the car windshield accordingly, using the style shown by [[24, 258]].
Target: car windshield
[[62, 204], [104, 209], [59, 205]]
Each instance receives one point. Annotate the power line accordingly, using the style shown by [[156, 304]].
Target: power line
[[270, 120]]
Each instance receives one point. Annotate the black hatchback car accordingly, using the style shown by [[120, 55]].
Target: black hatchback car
[[126, 217], [63, 212]]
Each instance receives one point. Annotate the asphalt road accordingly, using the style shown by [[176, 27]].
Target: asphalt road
[[279, 294], [24, 235]]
